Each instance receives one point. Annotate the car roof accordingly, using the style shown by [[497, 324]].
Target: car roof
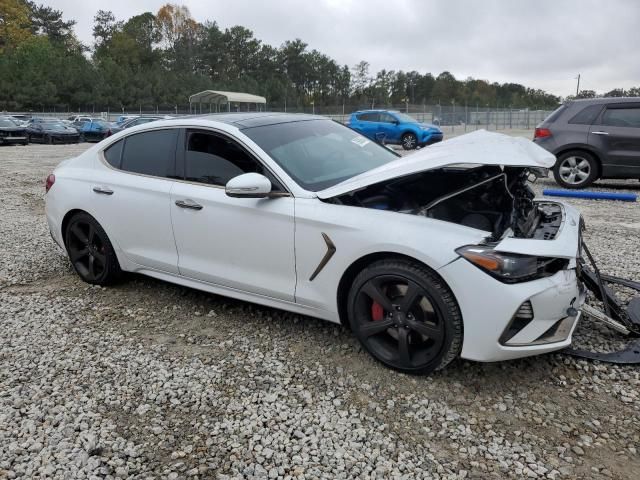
[[258, 119], [376, 111], [595, 101]]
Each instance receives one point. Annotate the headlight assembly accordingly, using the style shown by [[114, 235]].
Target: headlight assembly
[[511, 267]]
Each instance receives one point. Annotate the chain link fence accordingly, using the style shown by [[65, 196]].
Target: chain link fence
[[465, 117], [455, 117]]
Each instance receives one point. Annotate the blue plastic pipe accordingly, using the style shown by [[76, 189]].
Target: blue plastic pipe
[[623, 197]]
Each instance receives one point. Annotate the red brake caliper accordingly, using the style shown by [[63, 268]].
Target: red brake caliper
[[377, 312]]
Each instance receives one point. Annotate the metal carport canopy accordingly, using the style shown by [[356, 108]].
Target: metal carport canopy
[[220, 97]]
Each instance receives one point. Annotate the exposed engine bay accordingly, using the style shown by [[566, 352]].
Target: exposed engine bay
[[490, 198]]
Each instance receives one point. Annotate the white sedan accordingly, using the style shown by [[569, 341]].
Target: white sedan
[[440, 254]]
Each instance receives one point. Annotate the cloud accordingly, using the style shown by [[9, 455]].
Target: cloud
[[542, 44]]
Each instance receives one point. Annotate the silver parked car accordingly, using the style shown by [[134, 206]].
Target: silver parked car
[[592, 139]]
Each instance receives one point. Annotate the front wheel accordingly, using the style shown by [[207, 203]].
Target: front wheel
[[409, 141], [575, 169], [405, 316], [90, 251]]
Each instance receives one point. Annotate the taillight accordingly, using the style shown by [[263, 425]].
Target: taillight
[[542, 133], [51, 179]]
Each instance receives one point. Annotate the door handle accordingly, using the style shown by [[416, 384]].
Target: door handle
[[190, 204], [103, 190], [600, 133]]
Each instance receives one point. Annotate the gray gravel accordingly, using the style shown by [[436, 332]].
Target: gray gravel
[[151, 380]]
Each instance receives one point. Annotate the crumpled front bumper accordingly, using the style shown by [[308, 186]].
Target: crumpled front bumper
[[489, 307]]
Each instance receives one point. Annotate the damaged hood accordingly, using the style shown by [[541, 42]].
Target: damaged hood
[[476, 148]]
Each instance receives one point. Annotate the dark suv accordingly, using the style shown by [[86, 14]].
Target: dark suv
[[592, 139]]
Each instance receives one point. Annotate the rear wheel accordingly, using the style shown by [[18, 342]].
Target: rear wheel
[[409, 141], [90, 251], [575, 169], [405, 316]]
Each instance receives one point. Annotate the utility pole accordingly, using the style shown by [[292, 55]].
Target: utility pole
[[578, 86]]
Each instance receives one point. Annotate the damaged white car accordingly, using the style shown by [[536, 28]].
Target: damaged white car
[[440, 254]]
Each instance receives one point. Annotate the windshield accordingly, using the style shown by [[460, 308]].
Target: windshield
[[318, 154], [5, 122], [403, 117]]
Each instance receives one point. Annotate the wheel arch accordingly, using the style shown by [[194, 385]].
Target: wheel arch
[[360, 264], [409, 130], [66, 219]]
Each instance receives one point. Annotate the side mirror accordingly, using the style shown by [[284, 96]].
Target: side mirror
[[248, 185]]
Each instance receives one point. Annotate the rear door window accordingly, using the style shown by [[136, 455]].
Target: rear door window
[[622, 117], [113, 154], [587, 115], [151, 153], [369, 117]]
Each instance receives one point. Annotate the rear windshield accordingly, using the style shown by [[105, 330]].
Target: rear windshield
[[553, 116]]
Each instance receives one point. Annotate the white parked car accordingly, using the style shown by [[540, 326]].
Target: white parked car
[[440, 254]]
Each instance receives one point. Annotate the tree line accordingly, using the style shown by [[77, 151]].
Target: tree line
[[158, 60]]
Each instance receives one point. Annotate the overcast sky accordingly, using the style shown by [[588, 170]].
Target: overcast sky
[[539, 43]]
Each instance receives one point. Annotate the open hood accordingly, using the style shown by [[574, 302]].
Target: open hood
[[476, 148]]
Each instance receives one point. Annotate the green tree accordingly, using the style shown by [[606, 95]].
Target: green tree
[[14, 24]]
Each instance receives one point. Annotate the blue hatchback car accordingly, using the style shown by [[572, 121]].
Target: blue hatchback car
[[92, 130], [394, 127]]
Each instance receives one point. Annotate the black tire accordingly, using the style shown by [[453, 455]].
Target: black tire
[[81, 139], [409, 141], [385, 314], [576, 169], [48, 139], [90, 251]]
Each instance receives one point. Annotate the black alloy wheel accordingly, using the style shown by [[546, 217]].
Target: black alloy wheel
[[409, 141], [90, 251], [405, 316]]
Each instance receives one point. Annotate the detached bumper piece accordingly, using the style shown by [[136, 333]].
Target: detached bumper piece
[[625, 319]]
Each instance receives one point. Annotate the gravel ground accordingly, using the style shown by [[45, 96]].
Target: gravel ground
[[151, 380]]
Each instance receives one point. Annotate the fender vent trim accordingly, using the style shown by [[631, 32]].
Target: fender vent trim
[[331, 250]]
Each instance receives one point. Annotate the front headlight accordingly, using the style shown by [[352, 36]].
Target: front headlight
[[511, 267]]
